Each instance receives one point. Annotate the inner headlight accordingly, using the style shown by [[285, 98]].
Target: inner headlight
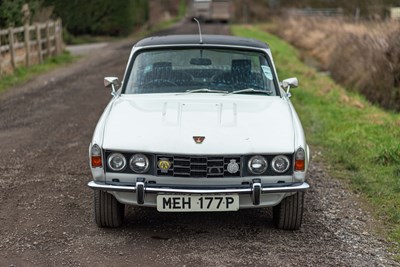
[[257, 165], [139, 163], [280, 164], [116, 162]]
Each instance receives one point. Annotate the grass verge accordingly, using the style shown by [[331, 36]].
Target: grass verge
[[360, 142], [23, 74]]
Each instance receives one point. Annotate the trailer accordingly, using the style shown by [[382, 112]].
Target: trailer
[[212, 10], [221, 10], [201, 9]]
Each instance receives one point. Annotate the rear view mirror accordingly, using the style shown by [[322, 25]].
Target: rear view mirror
[[290, 83], [108, 81], [111, 82], [200, 61]]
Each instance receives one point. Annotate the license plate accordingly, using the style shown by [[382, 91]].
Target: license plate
[[179, 203]]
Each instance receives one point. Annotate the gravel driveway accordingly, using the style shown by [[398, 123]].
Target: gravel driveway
[[46, 208]]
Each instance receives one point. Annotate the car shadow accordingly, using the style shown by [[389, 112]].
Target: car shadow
[[165, 226]]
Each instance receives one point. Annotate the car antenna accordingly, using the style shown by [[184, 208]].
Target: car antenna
[[198, 24]]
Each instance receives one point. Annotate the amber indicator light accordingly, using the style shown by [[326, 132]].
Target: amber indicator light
[[299, 165], [96, 161]]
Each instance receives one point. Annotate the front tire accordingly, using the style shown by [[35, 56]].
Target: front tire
[[288, 214], [108, 212]]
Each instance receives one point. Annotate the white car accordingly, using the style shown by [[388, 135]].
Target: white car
[[199, 125]]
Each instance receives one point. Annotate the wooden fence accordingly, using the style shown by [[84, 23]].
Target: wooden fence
[[326, 12], [29, 44]]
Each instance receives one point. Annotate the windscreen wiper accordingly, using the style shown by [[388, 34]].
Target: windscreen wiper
[[205, 90], [251, 90]]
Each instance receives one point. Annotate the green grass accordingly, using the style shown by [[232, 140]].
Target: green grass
[[23, 74], [360, 142], [182, 9]]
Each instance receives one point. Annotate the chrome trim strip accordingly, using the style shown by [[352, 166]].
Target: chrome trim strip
[[198, 191], [284, 189], [107, 187], [294, 188]]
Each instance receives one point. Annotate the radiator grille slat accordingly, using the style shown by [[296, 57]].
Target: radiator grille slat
[[198, 166]]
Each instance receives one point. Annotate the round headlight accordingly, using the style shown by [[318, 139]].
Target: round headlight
[[139, 163], [280, 164], [116, 162], [258, 165]]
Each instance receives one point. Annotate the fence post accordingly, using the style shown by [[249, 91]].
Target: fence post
[[58, 35], [48, 43], [39, 43], [27, 45], [1, 61], [11, 45]]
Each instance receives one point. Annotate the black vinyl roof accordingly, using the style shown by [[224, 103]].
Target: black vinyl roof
[[194, 39]]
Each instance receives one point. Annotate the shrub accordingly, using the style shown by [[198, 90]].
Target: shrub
[[364, 57], [100, 17]]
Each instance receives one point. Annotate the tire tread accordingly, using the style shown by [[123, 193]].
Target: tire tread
[[288, 214], [108, 212]]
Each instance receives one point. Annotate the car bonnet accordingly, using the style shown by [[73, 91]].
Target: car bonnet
[[230, 124]]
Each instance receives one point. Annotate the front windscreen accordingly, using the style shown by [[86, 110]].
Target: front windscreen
[[183, 70]]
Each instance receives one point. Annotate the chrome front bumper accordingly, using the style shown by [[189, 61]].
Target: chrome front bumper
[[255, 189]]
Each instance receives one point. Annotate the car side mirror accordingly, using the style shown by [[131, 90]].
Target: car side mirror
[[289, 83], [111, 82]]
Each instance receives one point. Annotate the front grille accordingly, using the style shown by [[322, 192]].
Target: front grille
[[198, 166]]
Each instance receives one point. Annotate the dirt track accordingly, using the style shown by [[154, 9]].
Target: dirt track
[[46, 208]]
